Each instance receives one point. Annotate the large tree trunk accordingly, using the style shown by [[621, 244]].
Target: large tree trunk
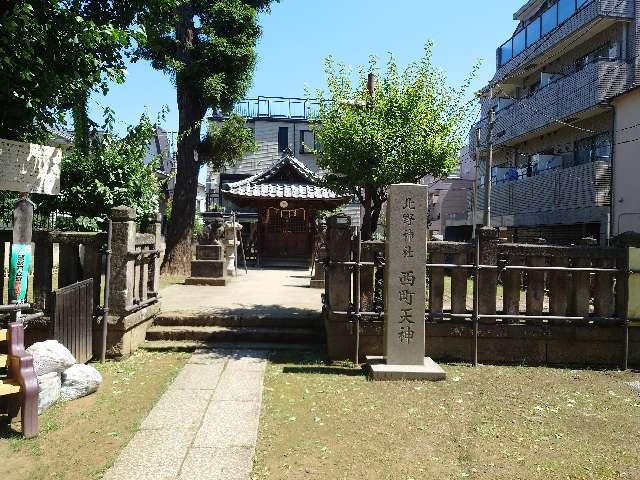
[[177, 260], [373, 201]]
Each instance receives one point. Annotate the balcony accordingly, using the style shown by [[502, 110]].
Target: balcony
[[578, 95], [547, 197], [561, 24], [277, 108]]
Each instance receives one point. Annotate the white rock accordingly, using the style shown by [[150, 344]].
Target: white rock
[[50, 356], [78, 381], [49, 390]]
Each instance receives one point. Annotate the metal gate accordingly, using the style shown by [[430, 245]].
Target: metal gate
[[72, 315]]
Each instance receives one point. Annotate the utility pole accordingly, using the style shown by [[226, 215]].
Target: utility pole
[[474, 210], [371, 85], [487, 170]]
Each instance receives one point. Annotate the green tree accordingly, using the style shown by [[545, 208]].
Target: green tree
[[209, 49], [226, 142], [112, 173], [52, 54], [412, 126]]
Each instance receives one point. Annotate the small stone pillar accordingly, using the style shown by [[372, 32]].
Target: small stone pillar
[[128, 323], [317, 281], [123, 241], [154, 227], [340, 343], [488, 277], [405, 289], [581, 288], [231, 244]]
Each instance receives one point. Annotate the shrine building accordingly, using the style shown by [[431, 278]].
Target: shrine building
[[287, 198]]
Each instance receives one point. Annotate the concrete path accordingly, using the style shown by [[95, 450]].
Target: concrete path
[[205, 426], [266, 292]]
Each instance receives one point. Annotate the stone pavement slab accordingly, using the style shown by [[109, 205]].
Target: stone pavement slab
[[152, 455], [239, 385], [229, 424], [205, 426], [180, 409], [265, 292], [200, 377], [231, 464]]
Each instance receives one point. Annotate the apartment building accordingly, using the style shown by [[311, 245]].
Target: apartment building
[[559, 80], [278, 124]]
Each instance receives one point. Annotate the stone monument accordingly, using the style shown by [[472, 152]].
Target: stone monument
[[405, 289], [209, 267]]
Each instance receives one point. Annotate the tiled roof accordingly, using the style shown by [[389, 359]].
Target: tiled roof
[[282, 190], [264, 185]]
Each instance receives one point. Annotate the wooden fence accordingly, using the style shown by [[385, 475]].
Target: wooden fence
[[134, 274], [502, 302], [79, 258], [72, 318]]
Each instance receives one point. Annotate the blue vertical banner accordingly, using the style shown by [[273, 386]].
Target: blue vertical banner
[[19, 264]]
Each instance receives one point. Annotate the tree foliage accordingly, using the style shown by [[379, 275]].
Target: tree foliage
[[208, 47], [226, 142], [112, 174], [411, 127], [50, 53]]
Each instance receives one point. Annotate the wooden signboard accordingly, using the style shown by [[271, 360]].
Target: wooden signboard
[[29, 168]]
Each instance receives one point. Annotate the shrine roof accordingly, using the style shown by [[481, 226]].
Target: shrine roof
[[288, 178]]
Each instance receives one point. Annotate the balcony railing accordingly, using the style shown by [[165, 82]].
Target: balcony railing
[[580, 91], [580, 186], [278, 107], [543, 24]]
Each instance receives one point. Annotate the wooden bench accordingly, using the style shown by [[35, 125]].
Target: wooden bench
[[20, 380]]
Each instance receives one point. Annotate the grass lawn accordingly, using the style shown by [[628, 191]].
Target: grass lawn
[[168, 280], [81, 439], [489, 422]]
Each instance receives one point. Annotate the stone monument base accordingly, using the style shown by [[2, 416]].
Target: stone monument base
[[379, 370], [209, 281]]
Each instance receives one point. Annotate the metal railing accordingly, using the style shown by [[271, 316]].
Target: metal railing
[[544, 23], [278, 107]]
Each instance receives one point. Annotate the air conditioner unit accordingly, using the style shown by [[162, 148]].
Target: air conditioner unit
[[543, 163]]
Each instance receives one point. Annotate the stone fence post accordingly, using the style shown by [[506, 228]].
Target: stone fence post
[[155, 228], [129, 320], [123, 241], [488, 277], [340, 343]]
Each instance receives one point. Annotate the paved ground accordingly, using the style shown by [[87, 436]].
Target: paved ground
[[269, 292], [205, 426]]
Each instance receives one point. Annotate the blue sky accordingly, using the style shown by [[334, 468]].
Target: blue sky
[[299, 34]]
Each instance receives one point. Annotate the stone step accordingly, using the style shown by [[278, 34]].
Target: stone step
[[235, 334], [192, 345], [169, 319]]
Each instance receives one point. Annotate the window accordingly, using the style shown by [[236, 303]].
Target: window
[[549, 20], [593, 148], [519, 42], [533, 32], [307, 142], [283, 138], [566, 8], [607, 51]]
